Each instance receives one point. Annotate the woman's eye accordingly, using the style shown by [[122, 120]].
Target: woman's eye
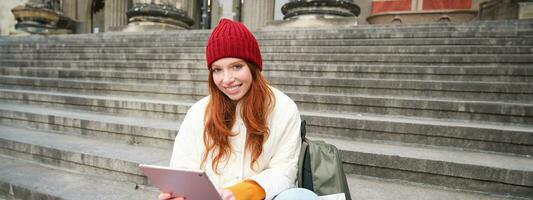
[[237, 66], [215, 70]]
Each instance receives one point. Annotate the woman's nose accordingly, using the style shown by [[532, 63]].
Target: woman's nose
[[228, 77]]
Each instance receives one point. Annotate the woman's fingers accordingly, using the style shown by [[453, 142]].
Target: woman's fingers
[[168, 196], [226, 194], [164, 196]]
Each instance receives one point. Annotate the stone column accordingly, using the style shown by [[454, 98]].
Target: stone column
[[192, 9], [42, 17], [296, 9], [256, 13], [153, 15], [318, 13], [69, 8], [216, 13], [84, 15], [115, 13]]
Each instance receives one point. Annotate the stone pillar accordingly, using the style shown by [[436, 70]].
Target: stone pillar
[[526, 10], [216, 13], [192, 9], [115, 13], [256, 13], [43, 17], [320, 8], [154, 15], [318, 13], [84, 15], [69, 8]]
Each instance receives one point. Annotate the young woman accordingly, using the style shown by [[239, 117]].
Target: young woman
[[245, 134]]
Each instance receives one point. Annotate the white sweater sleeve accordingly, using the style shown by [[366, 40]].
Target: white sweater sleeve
[[185, 153], [282, 170]]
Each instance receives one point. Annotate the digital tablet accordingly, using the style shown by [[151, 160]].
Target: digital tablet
[[192, 184]]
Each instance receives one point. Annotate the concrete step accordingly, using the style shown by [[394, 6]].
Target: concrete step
[[495, 72], [127, 129], [502, 112], [487, 172], [393, 58], [106, 88], [353, 126], [193, 87], [352, 32], [19, 176], [79, 154], [372, 188], [450, 133], [127, 106], [374, 42], [288, 80], [359, 49], [109, 159], [21, 179], [309, 90]]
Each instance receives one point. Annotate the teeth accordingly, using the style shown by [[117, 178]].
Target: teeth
[[232, 88]]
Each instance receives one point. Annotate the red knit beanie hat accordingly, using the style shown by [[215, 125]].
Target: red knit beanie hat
[[232, 39]]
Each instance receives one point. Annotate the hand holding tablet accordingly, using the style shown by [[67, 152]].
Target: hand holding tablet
[[191, 184]]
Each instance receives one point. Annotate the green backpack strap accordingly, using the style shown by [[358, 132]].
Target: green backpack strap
[[303, 152], [320, 167], [305, 172]]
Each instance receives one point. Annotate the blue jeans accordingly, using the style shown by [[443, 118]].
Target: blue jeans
[[296, 194]]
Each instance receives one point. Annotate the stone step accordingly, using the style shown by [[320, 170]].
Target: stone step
[[22, 179], [352, 32], [495, 72], [141, 90], [372, 188], [433, 49], [478, 171], [127, 129], [288, 79], [194, 88], [414, 130], [114, 160], [103, 88], [500, 25], [451, 133], [127, 106], [381, 58], [63, 45], [501, 112], [20, 176], [79, 154]]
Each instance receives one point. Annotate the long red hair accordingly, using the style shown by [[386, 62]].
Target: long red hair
[[220, 116]]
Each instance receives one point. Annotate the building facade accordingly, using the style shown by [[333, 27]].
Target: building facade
[[93, 16]]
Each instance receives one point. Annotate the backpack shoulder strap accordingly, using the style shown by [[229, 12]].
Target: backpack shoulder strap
[[303, 151], [302, 129]]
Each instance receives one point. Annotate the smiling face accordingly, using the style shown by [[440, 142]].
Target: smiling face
[[232, 76]]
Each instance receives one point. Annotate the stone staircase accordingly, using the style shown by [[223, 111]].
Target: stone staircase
[[433, 111]]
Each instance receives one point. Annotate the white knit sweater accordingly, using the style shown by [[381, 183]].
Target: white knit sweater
[[277, 166]]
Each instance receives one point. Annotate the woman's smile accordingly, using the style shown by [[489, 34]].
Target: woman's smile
[[232, 76]]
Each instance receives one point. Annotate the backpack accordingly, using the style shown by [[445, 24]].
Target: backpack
[[320, 167]]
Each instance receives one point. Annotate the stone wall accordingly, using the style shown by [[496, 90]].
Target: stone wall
[[7, 21]]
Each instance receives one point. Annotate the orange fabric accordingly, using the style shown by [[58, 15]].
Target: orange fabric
[[446, 4], [390, 5], [247, 190]]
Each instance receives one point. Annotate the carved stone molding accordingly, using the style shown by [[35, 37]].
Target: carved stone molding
[[324, 8]]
